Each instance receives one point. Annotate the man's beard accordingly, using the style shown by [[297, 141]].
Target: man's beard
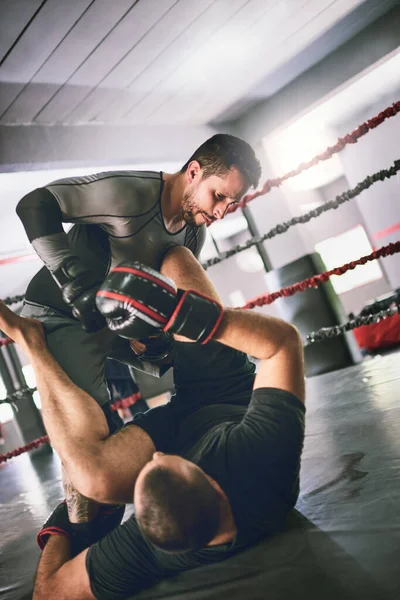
[[189, 209]]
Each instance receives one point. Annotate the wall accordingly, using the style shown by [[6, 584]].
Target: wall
[[43, 147], [380, 205], [283, 203], [228, 277], [333, 223], [271, 209]]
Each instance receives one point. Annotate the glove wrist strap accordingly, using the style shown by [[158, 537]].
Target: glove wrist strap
[[43, 535], [196, 316], [69, 270]]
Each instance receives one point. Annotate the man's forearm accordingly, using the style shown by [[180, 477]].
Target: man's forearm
[[55, 554], [259, 335]]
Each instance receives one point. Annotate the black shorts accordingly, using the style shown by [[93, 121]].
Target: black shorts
[[114, 421]]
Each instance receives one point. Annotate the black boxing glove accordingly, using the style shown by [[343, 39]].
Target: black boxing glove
[[158, 350], [87, 534], [56, 524], [81, 535], [196, 316], [136, 301], [78, 287]]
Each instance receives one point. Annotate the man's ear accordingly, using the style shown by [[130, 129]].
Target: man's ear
[[193, 171], [217, 487]]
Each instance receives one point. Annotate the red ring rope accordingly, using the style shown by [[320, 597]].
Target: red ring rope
[[126, 402], [322, 277], [350, 138], [35, 444]]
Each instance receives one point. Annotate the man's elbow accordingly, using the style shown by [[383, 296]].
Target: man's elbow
[[39, 202], [291, 341], [292, 336], [28, 202]]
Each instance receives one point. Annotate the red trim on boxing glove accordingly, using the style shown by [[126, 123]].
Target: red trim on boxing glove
[[217, 324], [145, 275], [177, 308], [142, 307], [172, 318], [52, 530]]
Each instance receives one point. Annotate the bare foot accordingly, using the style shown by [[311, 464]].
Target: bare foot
[[27, 333]]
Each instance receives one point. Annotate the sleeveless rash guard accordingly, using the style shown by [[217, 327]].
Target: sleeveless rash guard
[[117, 216]]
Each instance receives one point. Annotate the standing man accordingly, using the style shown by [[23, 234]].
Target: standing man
[[117, 216]]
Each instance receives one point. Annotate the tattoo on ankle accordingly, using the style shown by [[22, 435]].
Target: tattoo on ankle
[[77, 504], [80, 508]]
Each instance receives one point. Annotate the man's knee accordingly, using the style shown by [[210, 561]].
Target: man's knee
[[175, 257]]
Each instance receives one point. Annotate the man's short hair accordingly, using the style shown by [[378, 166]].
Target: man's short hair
[[223, 152], [175, 514]]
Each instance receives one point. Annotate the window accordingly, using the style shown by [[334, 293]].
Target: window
[[30, 378], [344, 248], [6, 412]]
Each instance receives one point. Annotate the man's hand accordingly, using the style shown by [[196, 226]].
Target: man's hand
[[84, 534], [156, 349], [56, 524], [78, 287], [137, 301]]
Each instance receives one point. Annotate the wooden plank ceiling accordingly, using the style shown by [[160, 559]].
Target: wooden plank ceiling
[[147, 61]]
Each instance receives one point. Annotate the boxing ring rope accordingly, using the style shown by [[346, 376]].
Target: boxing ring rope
[[350, 138], [13, 299], [329, 332], [314, 281], [125, 403], [312, 337], [35, 444], [11, 398], [316, 212]]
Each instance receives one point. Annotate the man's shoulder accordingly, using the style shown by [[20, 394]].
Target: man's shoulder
[[132, 193], [109, 180], [139, 177]]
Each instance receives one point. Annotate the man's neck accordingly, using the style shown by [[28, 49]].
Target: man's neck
[[171, 201]]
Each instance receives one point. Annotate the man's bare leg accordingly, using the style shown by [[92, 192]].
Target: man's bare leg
[[75, 422]]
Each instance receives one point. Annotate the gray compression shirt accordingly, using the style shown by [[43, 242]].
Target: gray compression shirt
[[117, 217]]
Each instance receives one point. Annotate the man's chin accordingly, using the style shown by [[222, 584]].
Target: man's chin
[[193, 220]]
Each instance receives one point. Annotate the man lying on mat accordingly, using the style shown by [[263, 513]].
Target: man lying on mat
[[209, 473]]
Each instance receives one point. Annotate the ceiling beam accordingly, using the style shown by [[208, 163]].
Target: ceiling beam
[[369, 46], [36, 147]]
